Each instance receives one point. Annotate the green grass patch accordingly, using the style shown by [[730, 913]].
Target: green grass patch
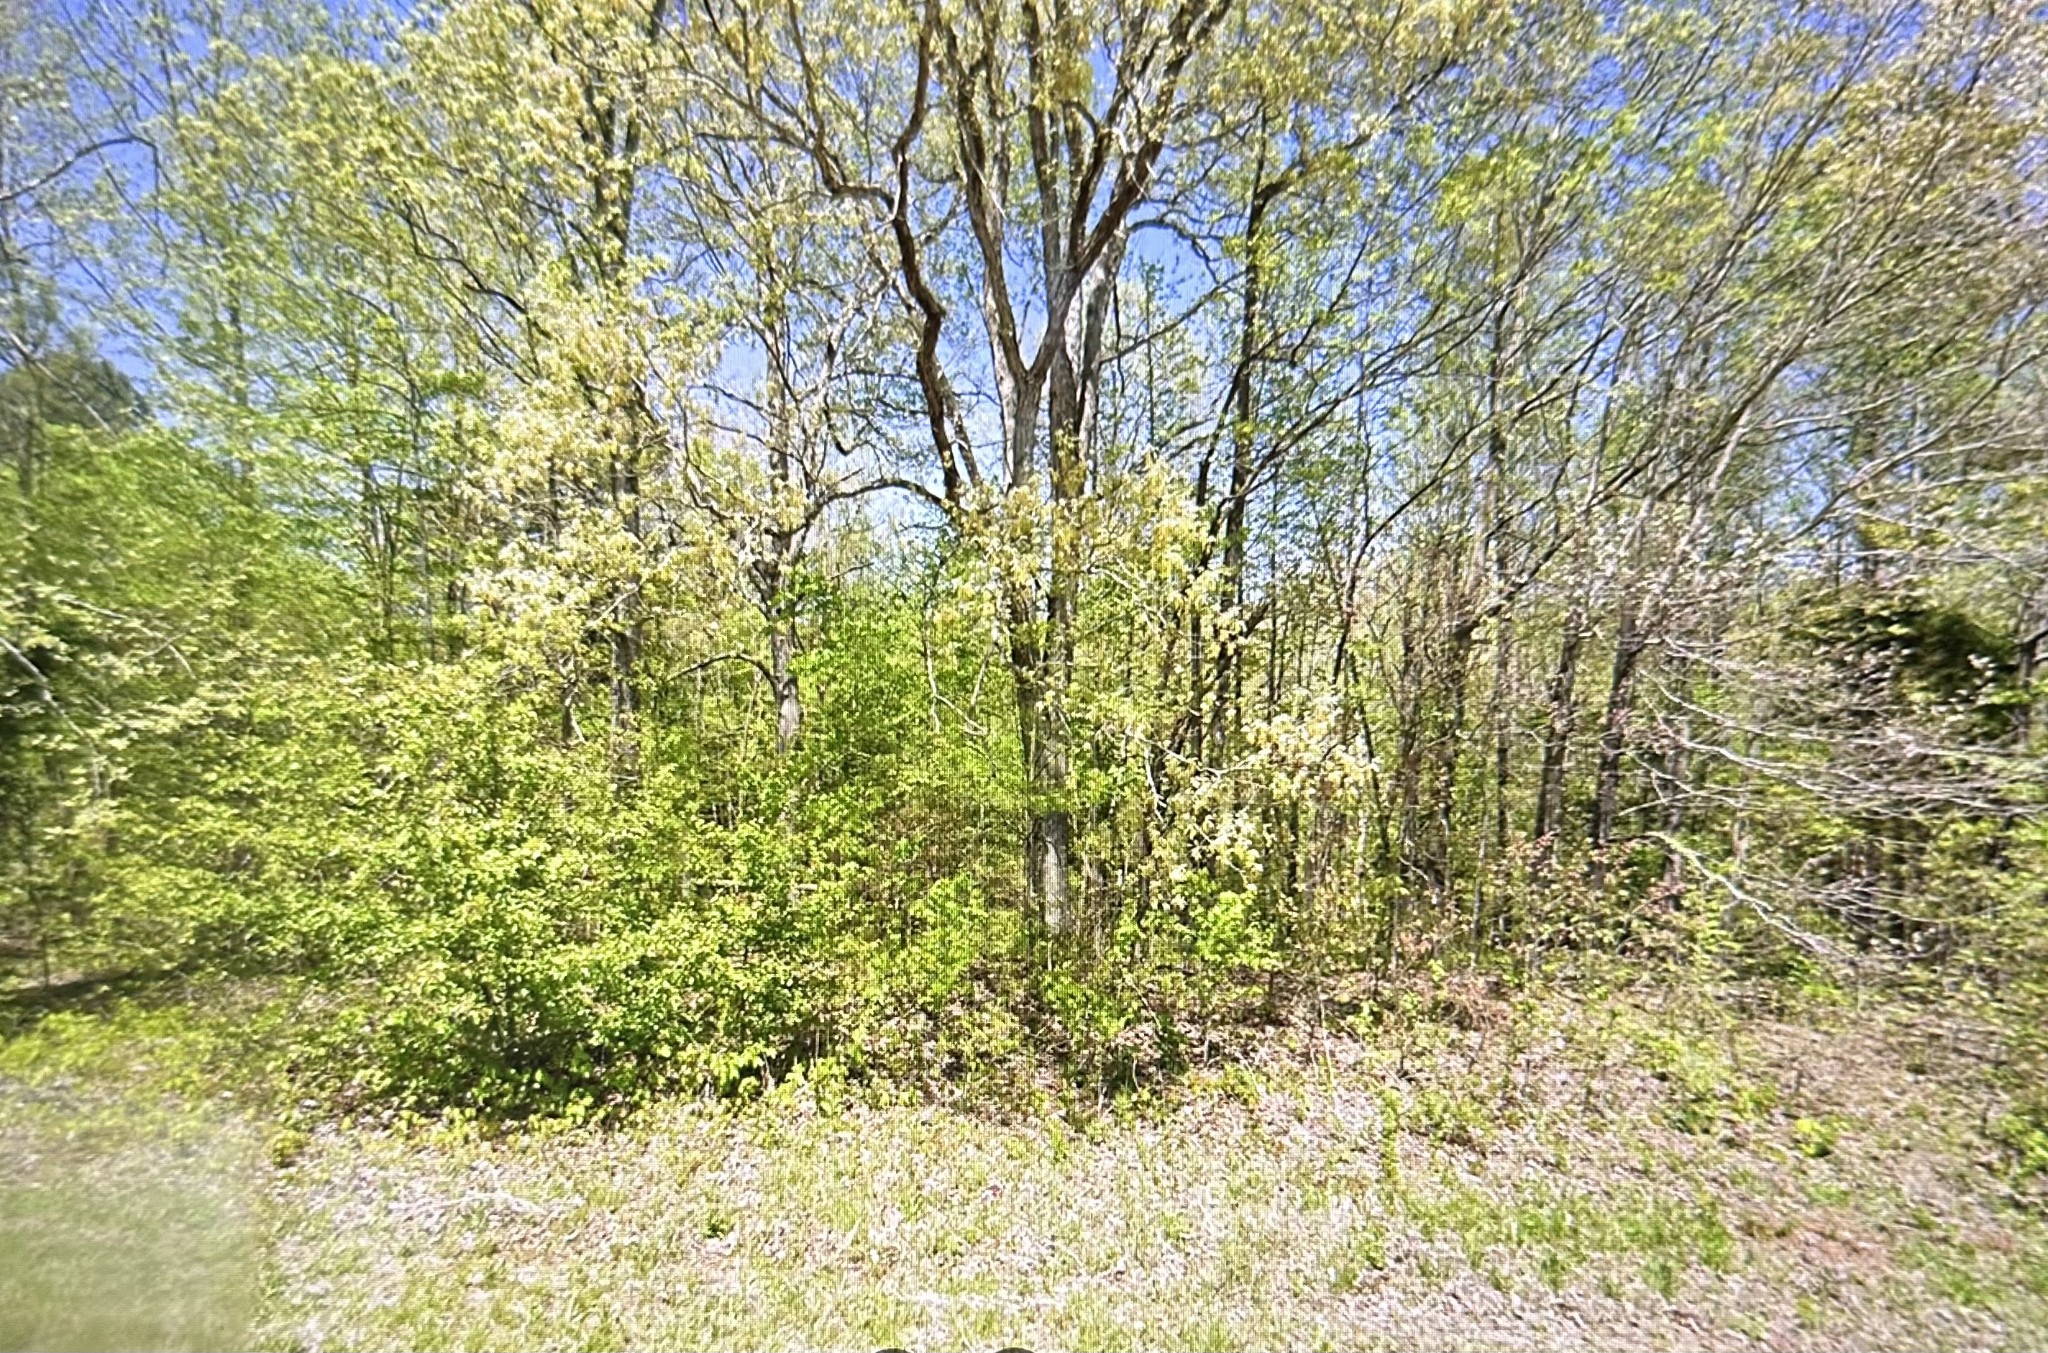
[[1560, 1231], [124, 1226]]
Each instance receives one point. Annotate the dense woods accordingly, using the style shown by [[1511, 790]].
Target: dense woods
[[612, 545]]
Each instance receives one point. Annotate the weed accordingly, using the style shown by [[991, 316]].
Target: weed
[[1390, 1137], [1708, 1093], [1951, 1270], [1241, 1085], [2022, 1131], [1365, 1254], [1451, 1119], [1816, 1137], [287, 1145]]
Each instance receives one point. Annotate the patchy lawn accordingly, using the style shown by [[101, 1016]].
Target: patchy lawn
[[1637, 1171]]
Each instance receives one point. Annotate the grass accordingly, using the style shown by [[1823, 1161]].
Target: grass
[[122, 1228], [1622, 1173]]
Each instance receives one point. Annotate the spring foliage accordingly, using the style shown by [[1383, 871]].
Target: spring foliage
[[632, 547]]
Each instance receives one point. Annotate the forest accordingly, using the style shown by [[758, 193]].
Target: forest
[[561, 557]]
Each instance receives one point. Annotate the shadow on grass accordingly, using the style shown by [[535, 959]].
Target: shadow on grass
[[23, 1004]]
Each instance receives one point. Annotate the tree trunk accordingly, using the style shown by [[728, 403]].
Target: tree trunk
[[1230, 631], [1503, 740], [789, 707], [628, 625], [1450, 736], [1408, 714], [1557, 735], [1048, 841], [2030, 715], [1629, 643]]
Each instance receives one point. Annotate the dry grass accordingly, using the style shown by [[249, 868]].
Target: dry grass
[[1528, 1181], [1577, 1173]]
